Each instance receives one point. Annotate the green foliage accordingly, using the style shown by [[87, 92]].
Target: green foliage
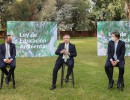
[[26, 10], [80, 19], [109, 10], [70, 14]]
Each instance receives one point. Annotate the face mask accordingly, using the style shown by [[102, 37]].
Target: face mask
[[112, 38]]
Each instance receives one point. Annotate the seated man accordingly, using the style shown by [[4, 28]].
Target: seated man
[[116, 53], [7, 57], [66, 52]]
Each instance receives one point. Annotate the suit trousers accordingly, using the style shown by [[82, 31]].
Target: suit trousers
[[11, 70], [58, 64], [109, 70]]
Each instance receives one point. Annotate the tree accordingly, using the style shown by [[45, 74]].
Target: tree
[[49, 8], [80, 15], [127, 9], [108, 10], [71, 15], [3, 6], [23, 10]]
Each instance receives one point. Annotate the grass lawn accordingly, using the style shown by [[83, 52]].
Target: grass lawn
[[34, 76]]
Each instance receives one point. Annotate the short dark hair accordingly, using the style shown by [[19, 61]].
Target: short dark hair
[[117, 34], [6, 36]]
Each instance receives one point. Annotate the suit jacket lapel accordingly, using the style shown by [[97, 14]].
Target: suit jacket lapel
[[118, 46], [63, 45], [10, 47], [4, 47], [113, 45], [69, 47]]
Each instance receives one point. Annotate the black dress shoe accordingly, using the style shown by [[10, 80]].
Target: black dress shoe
[[6, 81], [120, 86], [110, 85], [53, 87]]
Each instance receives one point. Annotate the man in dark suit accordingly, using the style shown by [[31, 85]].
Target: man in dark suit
[[66, 52], [116, 53], [7, 57]]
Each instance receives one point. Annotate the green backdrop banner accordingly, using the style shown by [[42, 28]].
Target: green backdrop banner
[[33, 39], [104, 30]]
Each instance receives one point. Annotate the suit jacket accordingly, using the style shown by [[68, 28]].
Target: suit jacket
[[120, 52], [72, 51], [3, 51]]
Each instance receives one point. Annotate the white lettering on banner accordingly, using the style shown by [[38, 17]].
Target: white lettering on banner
[[33, 41], [32, 46], [27, 35], [33, 35], [121, 34]]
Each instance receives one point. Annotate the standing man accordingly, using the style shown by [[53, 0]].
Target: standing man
[[66, 52], [7, 57], [116, 53]]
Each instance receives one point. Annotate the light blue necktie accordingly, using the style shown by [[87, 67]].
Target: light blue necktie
[[115, 56]]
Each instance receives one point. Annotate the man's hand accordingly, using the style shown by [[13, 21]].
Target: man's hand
[[63, 51], [8, 61], [5, 60], [114, 63], [66, 52]]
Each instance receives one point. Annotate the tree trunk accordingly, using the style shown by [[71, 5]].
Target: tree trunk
[[127, 9]]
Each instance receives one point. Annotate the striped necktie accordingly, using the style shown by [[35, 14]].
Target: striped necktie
[[65, 57]]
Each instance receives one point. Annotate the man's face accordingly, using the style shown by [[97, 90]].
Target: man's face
[[9, 39], [114, 38], [66, 39]]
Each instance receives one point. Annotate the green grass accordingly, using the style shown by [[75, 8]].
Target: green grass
[[34, 76], [1, 40]]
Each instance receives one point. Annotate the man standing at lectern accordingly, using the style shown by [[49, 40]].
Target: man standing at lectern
[[66, 52], [116, 53]]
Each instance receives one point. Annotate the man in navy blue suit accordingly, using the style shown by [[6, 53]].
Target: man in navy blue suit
[[7, 57], [66, 52], [116, 53]]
